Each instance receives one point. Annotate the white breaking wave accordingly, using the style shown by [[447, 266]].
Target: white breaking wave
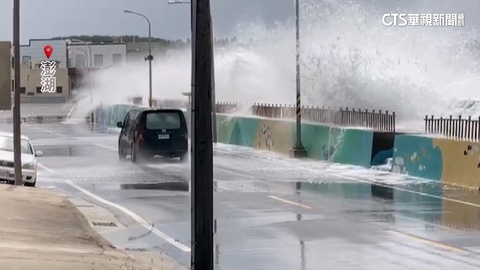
[[349, 59]]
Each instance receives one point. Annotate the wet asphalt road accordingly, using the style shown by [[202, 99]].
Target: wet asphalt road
[[272, 212]]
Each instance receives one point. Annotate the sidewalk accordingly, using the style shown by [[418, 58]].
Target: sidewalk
[[41, 230]]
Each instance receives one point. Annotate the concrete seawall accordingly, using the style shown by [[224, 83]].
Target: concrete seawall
[[449, 161], [335, 144]]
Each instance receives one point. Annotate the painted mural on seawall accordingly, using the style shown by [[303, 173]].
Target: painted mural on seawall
[[346, 146], [449, 161], [452, 162]]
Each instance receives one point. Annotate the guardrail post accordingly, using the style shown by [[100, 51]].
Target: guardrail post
[[379, 120], [460, 127], [477, 129], [386, 121], [469, 128]]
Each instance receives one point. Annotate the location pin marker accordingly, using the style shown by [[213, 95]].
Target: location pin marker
[[48, 51]]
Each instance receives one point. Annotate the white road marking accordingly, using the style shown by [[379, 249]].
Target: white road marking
[[136, 217], [290, 202], [284, 163], [45, 167], [235, 174], [425, 241], [111, 148]]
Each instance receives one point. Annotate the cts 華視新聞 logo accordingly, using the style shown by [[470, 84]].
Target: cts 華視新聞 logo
[[425, 20]]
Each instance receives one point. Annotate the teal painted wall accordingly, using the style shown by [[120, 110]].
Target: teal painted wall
[[339, 145], [417, 156], [245, 132], [237, 131], [356, 147]]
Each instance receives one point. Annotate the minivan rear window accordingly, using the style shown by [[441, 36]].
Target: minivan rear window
[[163, 120]]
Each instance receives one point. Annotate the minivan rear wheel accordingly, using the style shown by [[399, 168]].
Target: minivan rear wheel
[[121, 153], [133, 153]]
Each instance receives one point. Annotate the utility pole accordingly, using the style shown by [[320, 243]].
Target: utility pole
[[17, 147], [214, 101], [202, 256], [298, 151]]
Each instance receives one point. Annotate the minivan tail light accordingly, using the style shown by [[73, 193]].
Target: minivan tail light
[[139, 134]]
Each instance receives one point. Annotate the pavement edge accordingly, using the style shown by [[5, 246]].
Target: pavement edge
[[153, 260]]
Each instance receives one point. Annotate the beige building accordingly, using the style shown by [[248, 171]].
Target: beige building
[[30, 81]]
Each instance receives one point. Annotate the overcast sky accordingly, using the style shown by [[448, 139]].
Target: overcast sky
[[49, 18]]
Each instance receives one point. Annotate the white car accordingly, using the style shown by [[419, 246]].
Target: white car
[[29, 161]]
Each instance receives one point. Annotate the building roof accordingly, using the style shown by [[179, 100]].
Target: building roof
[[143, 46], [137, 46], [96, 43], [39, 39]]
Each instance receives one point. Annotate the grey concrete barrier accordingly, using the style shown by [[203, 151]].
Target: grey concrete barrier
[[44, 119], [37, 119]]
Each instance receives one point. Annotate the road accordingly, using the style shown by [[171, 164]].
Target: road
[[272, 212]]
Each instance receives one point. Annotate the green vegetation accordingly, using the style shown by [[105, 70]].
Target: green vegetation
[[129, 38]]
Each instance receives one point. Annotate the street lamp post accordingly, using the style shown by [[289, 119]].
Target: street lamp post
[[298, 151], [214, 102], [149, 57]]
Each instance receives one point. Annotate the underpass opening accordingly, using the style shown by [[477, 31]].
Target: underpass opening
[[382, 147]]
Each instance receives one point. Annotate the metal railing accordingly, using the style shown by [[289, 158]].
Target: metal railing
[[378, 120], [165, 103], [172, 103], [467, 129], [372, 119]]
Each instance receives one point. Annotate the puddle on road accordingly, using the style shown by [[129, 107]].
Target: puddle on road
[[429, 203], [146, 186], [382, 192], [170, 186]]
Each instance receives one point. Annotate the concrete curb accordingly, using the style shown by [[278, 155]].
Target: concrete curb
[[99, 240], [51, 119], [97, 212]]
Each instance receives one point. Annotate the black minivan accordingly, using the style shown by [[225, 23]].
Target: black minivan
[[149, 132]]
